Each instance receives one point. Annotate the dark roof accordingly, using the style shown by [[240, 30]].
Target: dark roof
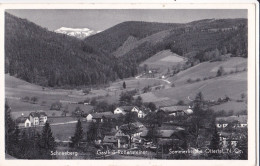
[[110, 139], [21, 119], [37, 114], [241, 119], [103, 114], [114, 139], [126, 108], [165, 133]]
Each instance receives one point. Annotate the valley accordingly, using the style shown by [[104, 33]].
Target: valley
[[112, 89]]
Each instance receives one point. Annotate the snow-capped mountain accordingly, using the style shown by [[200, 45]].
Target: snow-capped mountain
[[76, 32]]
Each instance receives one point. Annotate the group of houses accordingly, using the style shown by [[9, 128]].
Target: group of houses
[[122, 110], [177, 110], [34, 119], [230, 129], [119, 139]]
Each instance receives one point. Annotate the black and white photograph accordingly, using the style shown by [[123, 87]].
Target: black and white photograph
[[126, 84]]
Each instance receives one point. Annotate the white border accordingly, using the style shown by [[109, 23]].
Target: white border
[[253, 64]]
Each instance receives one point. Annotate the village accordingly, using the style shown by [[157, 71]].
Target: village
[[147, 132]]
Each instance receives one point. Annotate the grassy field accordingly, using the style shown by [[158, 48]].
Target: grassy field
[[208, 69], [235, 106], [65, 131], [132, 43], [232, 85], [164, 59]]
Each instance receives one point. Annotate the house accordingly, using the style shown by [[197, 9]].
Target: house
[[229, 138], [103, 117], [239, 121], [136, 135], [141, 113], [23, 122], [221, 124], [166, 136], [123, 110], [177, 110], [116, 141], [38, 118], [89, 118]]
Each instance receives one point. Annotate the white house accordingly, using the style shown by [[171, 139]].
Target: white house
[[23, 122], [139, 112], [123, 110], [38, 118], [234, 121], [89, 118]]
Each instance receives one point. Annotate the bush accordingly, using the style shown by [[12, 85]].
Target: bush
[[180, 102], [86, 91], [198, 79], [147, 89], [43, 103], [25, 99], [220, 71], [189, 80], [34, 99], [56, 106]]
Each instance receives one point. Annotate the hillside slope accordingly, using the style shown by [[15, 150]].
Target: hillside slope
[[198, 37], [39, 56]]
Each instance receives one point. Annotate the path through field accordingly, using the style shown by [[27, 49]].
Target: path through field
[[138, 77]]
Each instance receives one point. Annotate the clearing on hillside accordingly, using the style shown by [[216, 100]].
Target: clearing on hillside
[[164, 59]]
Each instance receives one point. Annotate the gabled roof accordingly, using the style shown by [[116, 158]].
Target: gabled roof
[[241, 119], [21, 119], [102, 114], [126, 108], [164, 133], [110, 139], [38, 114]]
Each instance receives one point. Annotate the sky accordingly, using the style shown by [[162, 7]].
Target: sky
[[101, 19]]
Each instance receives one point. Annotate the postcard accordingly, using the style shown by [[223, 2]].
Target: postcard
[[99, 83]]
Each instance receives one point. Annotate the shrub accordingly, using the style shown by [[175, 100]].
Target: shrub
[[34, 99], [198, 79], [56, 106], [86, 91], [25, 99], [180, 102], [43, 103], [220, 71], [189, 80]]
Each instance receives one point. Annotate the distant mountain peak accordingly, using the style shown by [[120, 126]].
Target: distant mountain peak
[[80, 33]]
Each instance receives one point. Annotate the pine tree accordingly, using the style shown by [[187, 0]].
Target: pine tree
[[124, 85], [78, 136], [47, 142], [214, 143], [9, 131]]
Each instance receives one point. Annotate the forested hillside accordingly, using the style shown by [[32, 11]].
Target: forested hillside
[[39, 56], [199, 40]]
